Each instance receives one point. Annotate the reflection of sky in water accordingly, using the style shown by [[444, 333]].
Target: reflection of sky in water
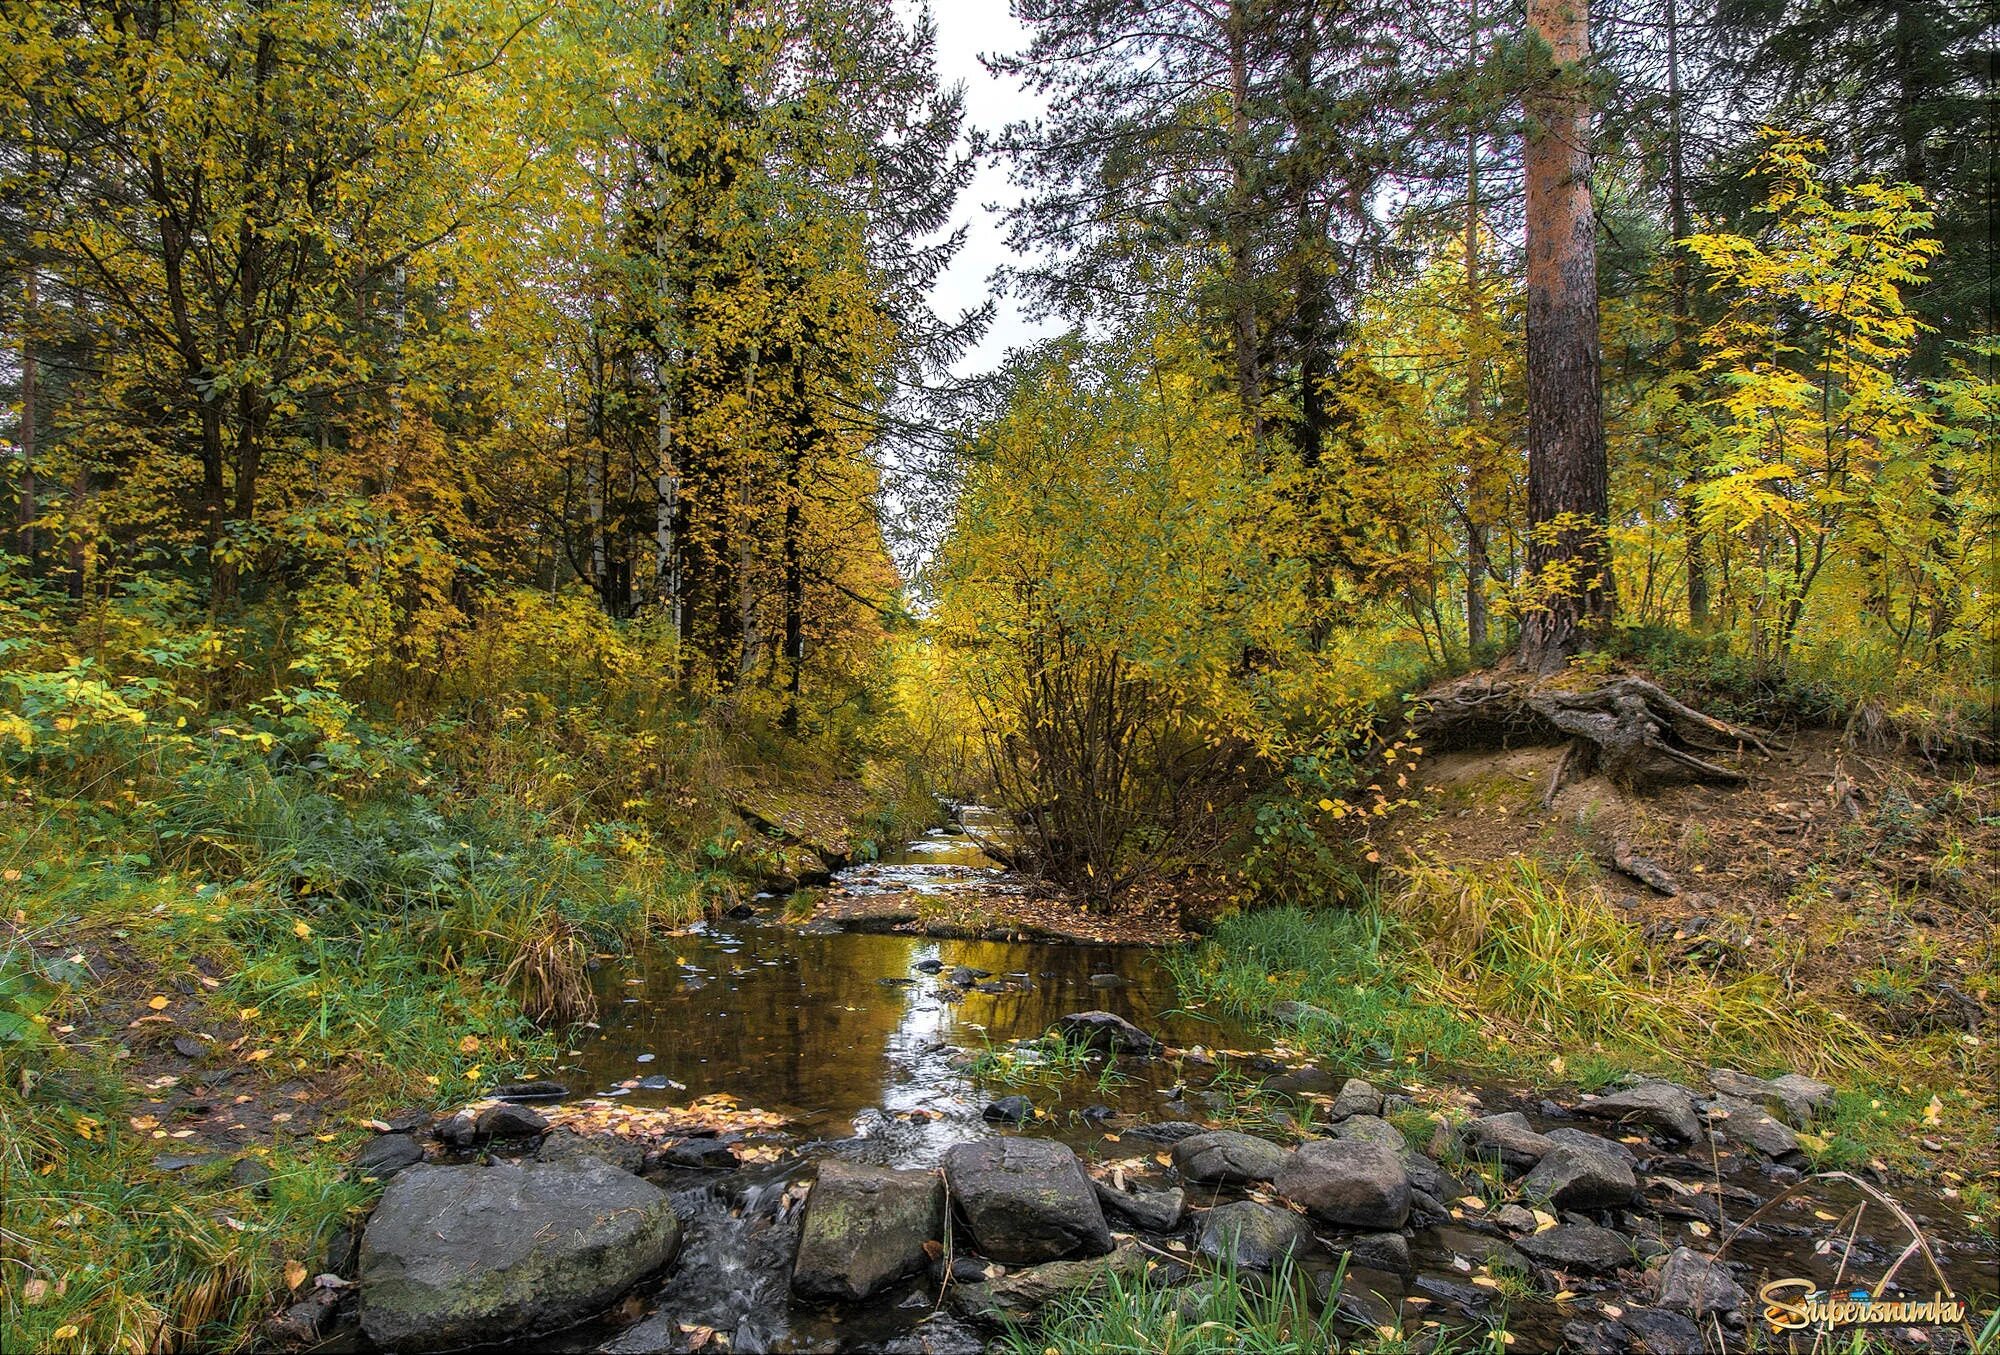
[[804, 1024]]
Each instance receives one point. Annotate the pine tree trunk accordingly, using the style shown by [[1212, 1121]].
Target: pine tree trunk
[[1568, 479]]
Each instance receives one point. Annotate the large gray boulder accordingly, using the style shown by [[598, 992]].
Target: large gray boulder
[[1569, 1177], [460, 1256], [1251, 1236], [1026, 1200], [1226, 1157], [1749, 1124], [1348, 1183], [1107, 1031], [864, 1229]]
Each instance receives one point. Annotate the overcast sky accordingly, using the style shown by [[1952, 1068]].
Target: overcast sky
[[967, 28]]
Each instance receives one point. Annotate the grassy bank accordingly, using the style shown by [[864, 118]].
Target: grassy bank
[[1520, 973], [251, 897]]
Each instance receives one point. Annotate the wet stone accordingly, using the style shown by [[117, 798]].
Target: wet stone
[[1378, 1251], [1510, 1138], [1026, 1200], [1752, 1126], [565, 1145], [1290, 1013], [1009, 1110], [1579, 1178], [1347, 1184], [1155, 1211], [695, 1155], [1581, 1247], [865, 1228], [1106, 1031], [509, 1121], [1596, 1143], [1371, 1128], [1251, 1236], [1227, 1157], [1692, 1283], [1020, 1295], [1660, 1106]]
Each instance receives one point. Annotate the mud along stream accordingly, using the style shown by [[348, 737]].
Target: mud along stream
[[809, 1044]]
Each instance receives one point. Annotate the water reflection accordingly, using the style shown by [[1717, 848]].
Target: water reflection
[[825, 1027]]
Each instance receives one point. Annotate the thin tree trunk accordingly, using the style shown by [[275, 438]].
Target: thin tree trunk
[[24, 515], [1680, 292], [1243, 304], [1568, 478], [1477, 566]]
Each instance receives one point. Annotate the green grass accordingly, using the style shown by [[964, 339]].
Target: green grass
[[1524, 972], [1224, 1314]]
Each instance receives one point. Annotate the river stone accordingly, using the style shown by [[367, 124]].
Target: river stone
[[1596, 1143], [1347, 1183], [1156, 1211], [454, 1256], [1692, 1283], [1387, 1252], [1251, 1236], [539, 1089], [1166, 1131], [1581, 1247], [1797, 1099], [1638, 1331], [1106, 1031], [864, 1229], [1752, 1126], [1225, 1157], [510, 1120], [1356, 1098], [566, 1145], [386, 1154], [1019, 1296], [1508, 1137], [1579, 1178], [1009, 1110], [1372, 1129], [711, 1155], [1658, 1105], [1026, 1200], [938, 1334]]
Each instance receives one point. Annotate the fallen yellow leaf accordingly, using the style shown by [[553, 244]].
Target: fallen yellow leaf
[[157, 1003], [295, 1274]]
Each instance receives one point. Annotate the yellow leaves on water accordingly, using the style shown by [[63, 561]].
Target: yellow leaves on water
[[720, 1114]]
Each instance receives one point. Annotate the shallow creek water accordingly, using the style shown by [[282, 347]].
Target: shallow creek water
[[867, 1053]]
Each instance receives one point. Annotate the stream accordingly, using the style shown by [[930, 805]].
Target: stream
[[869, 1046]]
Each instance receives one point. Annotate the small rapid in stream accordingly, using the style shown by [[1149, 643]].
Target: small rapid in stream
[[884, 1048]]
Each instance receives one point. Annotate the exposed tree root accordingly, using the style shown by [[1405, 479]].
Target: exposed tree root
[[1626, 727]]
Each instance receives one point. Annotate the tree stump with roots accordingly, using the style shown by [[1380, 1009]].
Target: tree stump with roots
[[1626, 727]]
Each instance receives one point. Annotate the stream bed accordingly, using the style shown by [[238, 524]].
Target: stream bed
[[888, 1049]]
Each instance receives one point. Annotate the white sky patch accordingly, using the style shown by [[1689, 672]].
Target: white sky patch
[[967, 28]]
